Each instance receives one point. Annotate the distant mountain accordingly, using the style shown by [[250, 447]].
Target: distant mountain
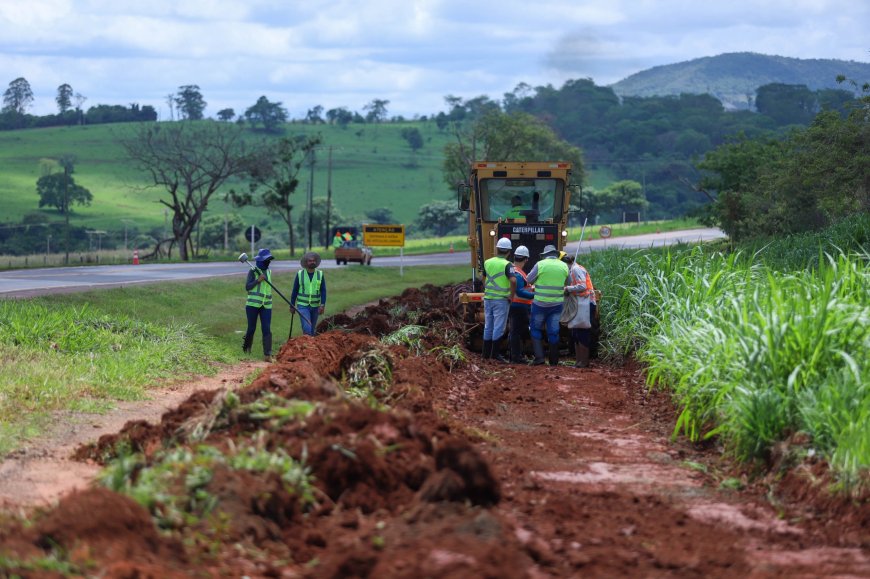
[[733, 78]]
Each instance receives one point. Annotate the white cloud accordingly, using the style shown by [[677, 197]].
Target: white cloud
[[412, 52]]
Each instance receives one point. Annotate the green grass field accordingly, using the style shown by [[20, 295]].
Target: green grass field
[[372, 167]]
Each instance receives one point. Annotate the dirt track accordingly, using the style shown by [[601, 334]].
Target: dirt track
[[490, 470]]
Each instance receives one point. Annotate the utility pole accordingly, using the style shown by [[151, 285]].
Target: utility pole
[[310, 201], [328, 199], [67, 169], [226, 232]]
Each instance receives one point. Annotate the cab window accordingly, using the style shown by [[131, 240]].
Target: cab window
[[529, 199]]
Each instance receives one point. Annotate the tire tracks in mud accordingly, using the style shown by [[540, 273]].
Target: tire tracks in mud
[[590, 473]]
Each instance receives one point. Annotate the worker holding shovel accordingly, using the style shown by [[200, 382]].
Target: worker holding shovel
[[309, 292], [259, 304]]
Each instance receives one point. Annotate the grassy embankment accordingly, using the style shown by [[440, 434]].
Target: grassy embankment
[[81, 352], [758, 347]]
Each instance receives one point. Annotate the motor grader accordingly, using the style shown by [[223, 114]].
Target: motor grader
[[524, 202]]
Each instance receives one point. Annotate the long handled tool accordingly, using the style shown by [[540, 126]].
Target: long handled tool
[[579, 241], [244, 259]]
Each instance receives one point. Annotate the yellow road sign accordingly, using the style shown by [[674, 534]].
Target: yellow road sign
[[384, 235]]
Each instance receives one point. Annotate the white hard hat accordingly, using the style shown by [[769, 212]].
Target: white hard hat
[[521, 251], [503, 243]]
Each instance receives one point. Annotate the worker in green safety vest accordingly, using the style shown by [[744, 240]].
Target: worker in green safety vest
[[259, 304], [549, 277], [309, 292], [499, 288]]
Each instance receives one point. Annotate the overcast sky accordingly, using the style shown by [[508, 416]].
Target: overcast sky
[[410, 52]]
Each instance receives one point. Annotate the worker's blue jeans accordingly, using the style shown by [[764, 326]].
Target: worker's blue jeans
[[546, 317], [308, 316], [495, 315]]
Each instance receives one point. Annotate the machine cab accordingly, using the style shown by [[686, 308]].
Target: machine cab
[[525, 202]]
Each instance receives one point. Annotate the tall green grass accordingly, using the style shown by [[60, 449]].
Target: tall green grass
[[752, 353]]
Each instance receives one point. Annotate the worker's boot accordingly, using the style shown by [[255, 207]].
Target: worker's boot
[[516, 350], [246, 343], [267, 348], [497, 347], [487, 349], [538, 347], [554, 354], [581, 356]]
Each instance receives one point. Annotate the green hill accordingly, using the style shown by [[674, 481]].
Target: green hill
[[733, 78], [372, 167]]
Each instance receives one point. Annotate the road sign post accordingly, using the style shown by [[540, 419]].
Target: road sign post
[[253, 234], [377, 235]]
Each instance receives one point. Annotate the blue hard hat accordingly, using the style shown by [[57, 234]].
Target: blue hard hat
[[264, 256]]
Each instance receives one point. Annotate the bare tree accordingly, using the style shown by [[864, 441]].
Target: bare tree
[[191, 162]]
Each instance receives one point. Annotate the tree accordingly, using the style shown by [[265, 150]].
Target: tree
[[339, 116], [381, 215], [499, 136], [59, 190], [214, 227], [64, 98], [414, 139], [623, 196], [440, 218], [278, 178], [732, 177], [190, 103], [191, 162], [787, 103], [269, 114], [377, 110], [226, 114], [314, 115], [18, 96]]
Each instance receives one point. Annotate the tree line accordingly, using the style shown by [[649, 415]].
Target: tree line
[[186, 104]]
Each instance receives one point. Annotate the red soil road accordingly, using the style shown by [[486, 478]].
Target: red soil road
[[493, 471]]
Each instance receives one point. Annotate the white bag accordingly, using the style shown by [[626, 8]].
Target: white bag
[[569, 310], [580, 319]]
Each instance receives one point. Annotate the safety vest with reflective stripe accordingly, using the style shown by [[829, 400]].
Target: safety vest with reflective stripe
[[517, 299], [583, 279], [498, 286], [550, 283], [260, 295], [309, 289]]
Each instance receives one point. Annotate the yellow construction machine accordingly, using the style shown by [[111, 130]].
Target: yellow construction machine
[[524, 202]]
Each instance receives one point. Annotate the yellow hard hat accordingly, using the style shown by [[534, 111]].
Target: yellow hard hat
[[562, 254]]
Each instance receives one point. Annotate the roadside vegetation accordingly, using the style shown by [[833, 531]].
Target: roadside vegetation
[[763, 348], [82, 352]]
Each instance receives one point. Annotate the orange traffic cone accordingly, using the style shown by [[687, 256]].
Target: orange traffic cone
[[135, 257]]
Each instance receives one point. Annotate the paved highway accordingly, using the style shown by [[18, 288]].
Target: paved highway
[[33, 282]]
